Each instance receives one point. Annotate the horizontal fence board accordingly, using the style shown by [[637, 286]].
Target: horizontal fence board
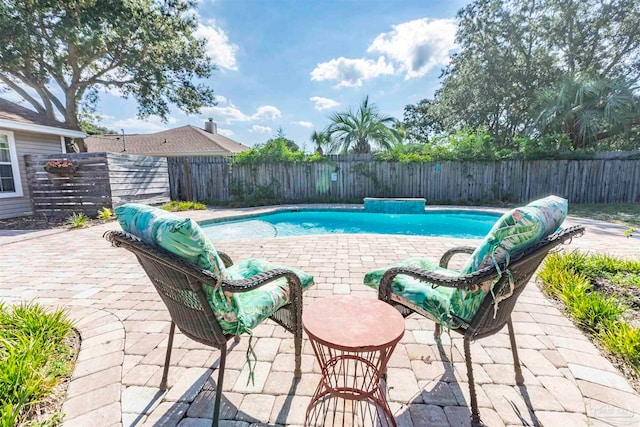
[[215, 179], [101, 180]]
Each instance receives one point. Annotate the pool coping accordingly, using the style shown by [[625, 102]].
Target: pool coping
[[267, 210]]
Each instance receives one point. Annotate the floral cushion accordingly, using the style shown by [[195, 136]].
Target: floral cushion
[[178, 235], [258, 304], [514, 232], [552, 211], [436, 301], [184, 238]]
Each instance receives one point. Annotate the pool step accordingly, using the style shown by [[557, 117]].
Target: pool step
[[394, 205]]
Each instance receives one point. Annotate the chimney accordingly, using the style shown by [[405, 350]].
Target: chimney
[[210, 126]]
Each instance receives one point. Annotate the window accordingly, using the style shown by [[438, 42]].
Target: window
[[10, 185]]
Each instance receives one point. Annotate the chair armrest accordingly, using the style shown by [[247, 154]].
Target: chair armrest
[[444, 261], [468, 282], [226, 259], [261, 279]]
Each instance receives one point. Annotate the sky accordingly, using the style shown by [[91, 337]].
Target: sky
[[290, 64]]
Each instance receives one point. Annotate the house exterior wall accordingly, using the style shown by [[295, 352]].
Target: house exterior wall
[[27, 143]]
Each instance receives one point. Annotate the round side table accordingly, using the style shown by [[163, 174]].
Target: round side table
[[353, 339]]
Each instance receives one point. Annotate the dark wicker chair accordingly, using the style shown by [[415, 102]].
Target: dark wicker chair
[[179, 284], [522, 267]]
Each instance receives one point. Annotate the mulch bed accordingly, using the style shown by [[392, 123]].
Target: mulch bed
[[40, 223], [32, 223]]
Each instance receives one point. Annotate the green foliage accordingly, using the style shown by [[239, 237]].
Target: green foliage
[[66, 51], [92, 128], [179, 205], [106, 214], [77, 220], [622, 339], [278, 150], [254, 195], [512, 49], [590, 110], [33, 356], [322, 141], [551, 146], [357, 130], [573, 278]]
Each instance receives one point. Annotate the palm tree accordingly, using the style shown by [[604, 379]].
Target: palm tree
[[357, 130], [320, 139], [588, 109]]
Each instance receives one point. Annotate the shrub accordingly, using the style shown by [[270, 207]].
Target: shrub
[[570, 277], [278, 150], [34, 357], [179, 205], [106, 214], [77, 220]]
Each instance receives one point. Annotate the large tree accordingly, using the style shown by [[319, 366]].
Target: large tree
[[511, 49], [57, 54], [356, 130]]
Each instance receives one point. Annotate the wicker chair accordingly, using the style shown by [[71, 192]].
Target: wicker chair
[[484, 323], [179, 284]]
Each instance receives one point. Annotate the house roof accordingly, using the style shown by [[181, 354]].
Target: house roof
[[185, 140], [17, 117]]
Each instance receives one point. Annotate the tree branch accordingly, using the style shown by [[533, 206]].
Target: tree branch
[[23, 93], [55, 102]]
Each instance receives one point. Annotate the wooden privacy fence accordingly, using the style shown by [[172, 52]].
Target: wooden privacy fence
[[101, 180], [351, 177]]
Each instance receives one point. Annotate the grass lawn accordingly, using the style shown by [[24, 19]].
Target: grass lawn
[[620, 213], [36, 353], [602, 295]]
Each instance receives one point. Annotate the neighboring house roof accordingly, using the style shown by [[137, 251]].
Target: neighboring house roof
[[14, 116], [181, 141]]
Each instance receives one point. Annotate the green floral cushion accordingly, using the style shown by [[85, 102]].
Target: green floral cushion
[[552, 211], [178, 235], [258, 304], [184, 238], [436, 301]]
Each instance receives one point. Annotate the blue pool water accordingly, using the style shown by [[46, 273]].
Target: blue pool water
[[463, 224]]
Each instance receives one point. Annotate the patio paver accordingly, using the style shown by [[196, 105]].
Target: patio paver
[[124, 328]]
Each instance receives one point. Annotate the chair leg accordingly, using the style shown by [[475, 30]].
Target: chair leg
[[437, 332], [514, 351], [475, 413], [297, 341], [216, 406], [167, 358]]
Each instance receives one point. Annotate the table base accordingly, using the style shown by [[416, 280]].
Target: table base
[[327, 409]]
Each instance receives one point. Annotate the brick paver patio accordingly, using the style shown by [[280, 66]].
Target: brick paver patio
[[124, 328]]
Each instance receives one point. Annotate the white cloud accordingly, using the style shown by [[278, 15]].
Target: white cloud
[[260, 129], [266, 112], [323, 103], [351, 72], [226, 132], [226, 114], [304, 124], [417, 46], [135, 125], [218, 46]]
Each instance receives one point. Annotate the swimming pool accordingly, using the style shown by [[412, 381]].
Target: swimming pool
[[445, 223]]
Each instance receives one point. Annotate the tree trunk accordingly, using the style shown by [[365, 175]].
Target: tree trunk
[[362, 147], [72, 117]]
